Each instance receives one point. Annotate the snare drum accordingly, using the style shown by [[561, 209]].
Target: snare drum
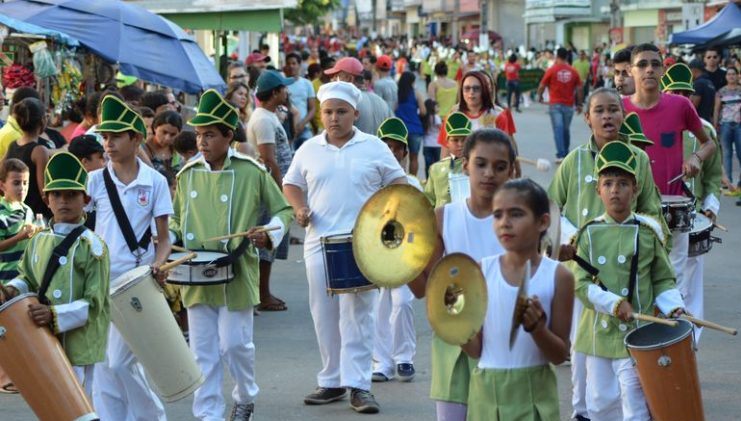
[[343, 275], [701, 241], [679, 212], [201, 270], [667, 369]]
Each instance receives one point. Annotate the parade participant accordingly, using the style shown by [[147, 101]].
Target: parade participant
[[516, 381], [222, 192], [73, 299], [410, 108], [87, 149], [573, 190], [623, 79], [126, 195], [266, 133], [345, 163], [564, 92], [477, 96], [635, 275], [465, 227], [446, 182], [29, 148], [395, 339], [705, 187], [512, 74], [15, 216], [165, 126], [664, 117]]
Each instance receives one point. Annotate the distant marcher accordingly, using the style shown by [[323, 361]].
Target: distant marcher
[[512, 73]]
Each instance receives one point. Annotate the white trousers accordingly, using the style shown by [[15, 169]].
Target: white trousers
[[614, 391], [692, 290], [578, 367], [678, 257], [216, 335], [121, 391], [85, 375], [451, 411], [344, 330], [396, 339]]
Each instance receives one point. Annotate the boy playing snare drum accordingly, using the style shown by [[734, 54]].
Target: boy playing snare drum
[[74, 295]]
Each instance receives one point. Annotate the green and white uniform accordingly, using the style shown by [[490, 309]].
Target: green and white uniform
[[437, 187], [13, 217]]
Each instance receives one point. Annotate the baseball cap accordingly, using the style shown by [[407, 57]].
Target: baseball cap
[[346, 64], [383, 62], [271, 79], [255, 57]]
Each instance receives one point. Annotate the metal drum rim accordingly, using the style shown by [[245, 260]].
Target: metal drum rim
[[133, 282], [15, 299], [663, 344], [337, 238], [196, 261]]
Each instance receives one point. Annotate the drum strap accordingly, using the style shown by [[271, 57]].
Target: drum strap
[[634, 265], [123, 220], [51, 267], [231, 257]]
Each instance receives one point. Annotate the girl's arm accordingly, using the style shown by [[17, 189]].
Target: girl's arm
[[39, 156], [25, 233], [420, 103], [716, 110], [552, 337], [474, 345]]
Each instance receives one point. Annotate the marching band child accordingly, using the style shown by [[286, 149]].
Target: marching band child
[[74, 303], [126, 195], [465, 227], [396, 341], [446, 181], [572, 189], [705, 187], [513, 378], [635, 275]]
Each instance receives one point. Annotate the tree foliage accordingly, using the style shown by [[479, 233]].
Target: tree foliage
[[308, 12]]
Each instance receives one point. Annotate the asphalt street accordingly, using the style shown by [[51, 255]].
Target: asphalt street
[[288, 359]]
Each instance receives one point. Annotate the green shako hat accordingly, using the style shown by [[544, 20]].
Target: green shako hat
[[395, 129], [214, 109], [632, 129], [117, 117], [458, 124], [64, 172], [616, 155], [677, 78]]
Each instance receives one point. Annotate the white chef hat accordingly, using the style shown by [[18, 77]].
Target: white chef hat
[[339, 90]]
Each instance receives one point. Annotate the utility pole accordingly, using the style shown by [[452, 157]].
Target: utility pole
[[456, 12]]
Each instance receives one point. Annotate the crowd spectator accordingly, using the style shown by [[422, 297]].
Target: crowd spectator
[[704, 96]]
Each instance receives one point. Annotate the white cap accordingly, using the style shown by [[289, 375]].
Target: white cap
[[339, 90]]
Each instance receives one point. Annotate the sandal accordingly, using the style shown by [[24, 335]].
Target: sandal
[[272, 307], [9, 389]]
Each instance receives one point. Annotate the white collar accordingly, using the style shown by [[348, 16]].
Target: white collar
[[63, 228]]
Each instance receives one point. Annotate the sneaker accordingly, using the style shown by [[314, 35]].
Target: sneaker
[[558, 160], [242, 412], [325, 395], [362, 401], [405, 372], [379, 377]]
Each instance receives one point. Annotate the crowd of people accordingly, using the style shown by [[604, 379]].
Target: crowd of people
[[284, 144]]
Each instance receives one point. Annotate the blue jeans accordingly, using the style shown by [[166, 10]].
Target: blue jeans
[[513, 88], [561, 116], [432, 155], [730, 138]]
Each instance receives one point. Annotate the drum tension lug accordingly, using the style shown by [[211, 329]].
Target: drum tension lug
[[2, 331], [664, 361], [716, 240], [136, 304]]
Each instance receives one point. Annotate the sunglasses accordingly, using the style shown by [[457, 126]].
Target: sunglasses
[[472, 89]]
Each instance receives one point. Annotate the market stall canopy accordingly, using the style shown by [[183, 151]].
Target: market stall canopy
[[144, 45], [727, 19], [732, 37], [222, 15]]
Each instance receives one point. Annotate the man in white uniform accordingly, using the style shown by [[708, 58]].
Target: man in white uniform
[[338, 170]]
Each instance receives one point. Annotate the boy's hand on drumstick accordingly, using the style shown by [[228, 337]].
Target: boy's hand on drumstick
[[159, 275], [533, 318], [303, 216], [259, 239], [624, 311], [712, 216], [692, 166], [566, 252], [677, 313], [41, 314]]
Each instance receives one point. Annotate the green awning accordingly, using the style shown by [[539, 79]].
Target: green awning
[[250, 20]]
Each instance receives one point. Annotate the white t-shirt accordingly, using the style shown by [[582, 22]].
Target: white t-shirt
[[301, 91], [147, 197], [339, 181], [264, 127]]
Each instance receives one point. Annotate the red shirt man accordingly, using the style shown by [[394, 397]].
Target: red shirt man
[[512, 70], [561, 80]]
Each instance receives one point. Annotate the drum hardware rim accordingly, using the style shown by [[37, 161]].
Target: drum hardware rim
[[664, 344], [125, 287], [88, 417], [336, 238], [15, 299]]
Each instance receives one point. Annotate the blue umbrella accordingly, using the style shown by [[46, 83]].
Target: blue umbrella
[[144, 45]]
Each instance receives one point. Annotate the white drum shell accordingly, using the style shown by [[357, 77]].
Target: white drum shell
[[140, 312]]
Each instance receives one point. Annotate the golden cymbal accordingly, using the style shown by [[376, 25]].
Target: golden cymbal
[[460, 276], [394, 236], [551, 241]]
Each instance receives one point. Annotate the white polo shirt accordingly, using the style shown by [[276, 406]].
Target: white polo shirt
[[338, 181], [147, 197]]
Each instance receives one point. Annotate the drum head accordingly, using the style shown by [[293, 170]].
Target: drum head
[[701, 223], [204, 257], [674, 199], [129, 279], [655, 336]]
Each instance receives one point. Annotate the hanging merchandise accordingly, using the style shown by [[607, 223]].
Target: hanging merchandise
[[16, 76], [43, 63], [67, 90]]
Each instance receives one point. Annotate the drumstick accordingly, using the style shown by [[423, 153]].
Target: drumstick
[[647, 318], [541, 164], [675, 179], [720, 227], [242, 234], [179, 249], [527, 160], [180, 261], [710, 325]]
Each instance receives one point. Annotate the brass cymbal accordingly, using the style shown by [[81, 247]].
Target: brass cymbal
[[459, 275], [394, 236], [551, 241]]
